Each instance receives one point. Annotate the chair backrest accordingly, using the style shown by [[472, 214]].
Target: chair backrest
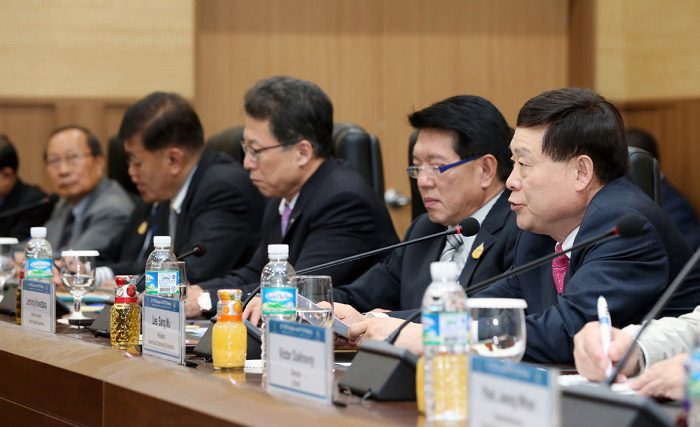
[[118, 166], [362, 150], [229, 142], [644, 171]]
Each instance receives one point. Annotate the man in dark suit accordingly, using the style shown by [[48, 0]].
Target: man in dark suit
[[189, 192], [320, 206], [14, 193], [568, 185], [468, 138]]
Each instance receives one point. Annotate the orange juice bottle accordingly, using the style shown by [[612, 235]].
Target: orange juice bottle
[[229, 338]]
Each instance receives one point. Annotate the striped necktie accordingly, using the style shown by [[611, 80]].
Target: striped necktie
[[451, 247]]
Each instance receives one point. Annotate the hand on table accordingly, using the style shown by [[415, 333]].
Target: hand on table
[[665, 379], [192, 308], [589, 357], [253, 311]]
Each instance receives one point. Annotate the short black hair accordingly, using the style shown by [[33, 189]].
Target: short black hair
[[579, 122], [8, 154], [297, 110], [163, 120], [93, 142], [642, 139], [478, 125]]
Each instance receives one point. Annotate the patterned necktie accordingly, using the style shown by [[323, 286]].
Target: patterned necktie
[[172, 224], [285, 217], [67, 229], [451, 247], [560, 265]]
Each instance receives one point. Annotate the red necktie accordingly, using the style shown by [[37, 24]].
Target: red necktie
[[560, 265]]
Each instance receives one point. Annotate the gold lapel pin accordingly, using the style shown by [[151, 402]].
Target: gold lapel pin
[[476, 253], [143, 227]]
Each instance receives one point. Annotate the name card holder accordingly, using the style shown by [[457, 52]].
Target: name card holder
[[38, 307], [300, 361], [163, 327], [506, 394]]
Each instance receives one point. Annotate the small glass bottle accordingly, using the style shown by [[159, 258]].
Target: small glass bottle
[[125, 315], [18, 299], [229, 338]]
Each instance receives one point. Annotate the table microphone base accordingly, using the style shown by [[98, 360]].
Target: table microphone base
[[383, 370]]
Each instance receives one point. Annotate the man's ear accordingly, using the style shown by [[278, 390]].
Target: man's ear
[[489, 170], [175, 160], [305, 152], [585, 173]]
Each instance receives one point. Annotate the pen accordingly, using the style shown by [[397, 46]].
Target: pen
[[604, 319]]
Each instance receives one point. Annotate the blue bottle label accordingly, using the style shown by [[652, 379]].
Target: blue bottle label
[[694, 375], [445, 328], [39, 268], [279, 300], [162, 282]]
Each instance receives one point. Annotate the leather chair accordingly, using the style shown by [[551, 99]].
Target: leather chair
[[361, 149], [644, 170], [350, 142], [118, 166]]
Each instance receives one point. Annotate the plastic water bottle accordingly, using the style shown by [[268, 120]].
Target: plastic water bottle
[[445, 343], [38, 257], [162, 270], [279, 293], [691, 403]]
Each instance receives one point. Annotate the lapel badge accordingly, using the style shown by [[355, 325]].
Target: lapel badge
[[143, 227], [476, 253]]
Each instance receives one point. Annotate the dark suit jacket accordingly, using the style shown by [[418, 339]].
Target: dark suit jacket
[[399, 282], [681, 213], [222, 210], [336, 215], [18, 225], [631, 274]]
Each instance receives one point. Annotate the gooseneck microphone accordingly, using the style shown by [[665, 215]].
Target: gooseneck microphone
[[655, 310], [466, 227], [52, 198]]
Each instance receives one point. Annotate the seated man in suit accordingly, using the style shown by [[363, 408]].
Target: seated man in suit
[[461, 161], [92, 209], [14, 193], [568, 185], [320, 206], [189, 192]]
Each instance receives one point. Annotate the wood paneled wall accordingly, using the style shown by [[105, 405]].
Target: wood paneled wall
[[379, 60], [28, 122]]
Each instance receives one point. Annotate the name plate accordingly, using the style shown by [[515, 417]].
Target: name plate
[[163, 327], [39, 306], [511, 394], [300, 360]]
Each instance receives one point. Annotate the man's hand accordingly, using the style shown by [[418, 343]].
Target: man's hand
[[56, 274], [666, 379], [347, 313], [589, 357], [192, 308], [379, 328], [253, 311]]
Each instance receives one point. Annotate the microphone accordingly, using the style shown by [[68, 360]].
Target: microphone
[[661, 303], [197, 250], [386, 372], [52, 198], [466, 227]]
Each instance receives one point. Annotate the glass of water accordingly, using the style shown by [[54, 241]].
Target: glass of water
[[498, 327], [7, 261], [315, 300], [78, 277], [182, 286]]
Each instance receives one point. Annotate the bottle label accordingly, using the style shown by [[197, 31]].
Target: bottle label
[[279, 300], [39, 268], [445, 328], [162, 282]]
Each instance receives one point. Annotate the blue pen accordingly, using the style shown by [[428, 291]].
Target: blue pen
[[605, 330]]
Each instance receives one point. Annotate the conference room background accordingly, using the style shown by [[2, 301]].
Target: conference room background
[[86, 61]]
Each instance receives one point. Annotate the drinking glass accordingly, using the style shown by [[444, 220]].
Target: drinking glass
[[7, 261], [183, 285], [78, 276], [498, 327], [315, 300]]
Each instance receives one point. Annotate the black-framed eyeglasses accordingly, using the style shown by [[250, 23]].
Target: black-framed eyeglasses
[[253, 153], [414, 171]]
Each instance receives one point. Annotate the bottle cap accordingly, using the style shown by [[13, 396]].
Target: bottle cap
[[279, 250], [38, 232], [161, 241], [443, 270]]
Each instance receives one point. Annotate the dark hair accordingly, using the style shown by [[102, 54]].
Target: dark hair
[[93, 142], [644, 140], [297, 110], [8, 154], [478, 125], [163, 120], [579, 122]]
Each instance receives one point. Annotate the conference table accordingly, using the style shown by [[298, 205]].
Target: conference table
[[75, 378]]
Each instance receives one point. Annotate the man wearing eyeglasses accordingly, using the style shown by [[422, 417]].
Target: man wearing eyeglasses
[[92, 209], [320, 206]]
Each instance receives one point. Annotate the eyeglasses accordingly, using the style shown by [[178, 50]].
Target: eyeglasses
[[414, 171], [253, 153], [71, 159]]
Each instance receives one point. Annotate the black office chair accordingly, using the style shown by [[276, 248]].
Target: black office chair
[[118, 166], [644, 170], [229, 142], [362, 150]]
